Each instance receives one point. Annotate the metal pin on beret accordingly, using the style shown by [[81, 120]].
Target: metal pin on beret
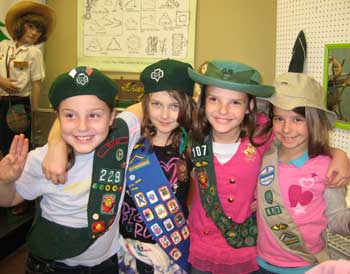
[[166, 75], [234, 76], [83, 81]]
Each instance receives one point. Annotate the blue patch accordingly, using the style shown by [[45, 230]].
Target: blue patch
[[267, 175]]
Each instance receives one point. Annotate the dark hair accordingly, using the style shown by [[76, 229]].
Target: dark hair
[[37, 20], [186, 105], [318, 129], [201, 126]]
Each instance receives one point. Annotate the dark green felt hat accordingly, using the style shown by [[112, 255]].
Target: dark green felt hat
[[165, 75], [83, 81], [234, 76]]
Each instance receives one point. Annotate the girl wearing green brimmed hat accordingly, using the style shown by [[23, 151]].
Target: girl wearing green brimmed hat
[[222, 224], [293, 179], [227, 163], [76, 228]]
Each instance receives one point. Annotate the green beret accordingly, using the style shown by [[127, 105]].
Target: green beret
[[167, 75], [83, 81]]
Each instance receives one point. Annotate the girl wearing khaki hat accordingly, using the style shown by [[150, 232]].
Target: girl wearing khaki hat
[[292, 180]]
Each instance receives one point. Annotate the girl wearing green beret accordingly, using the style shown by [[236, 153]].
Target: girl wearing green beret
[[153, 226], [77, 224], [155, 235]]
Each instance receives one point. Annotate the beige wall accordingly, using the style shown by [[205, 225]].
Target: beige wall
[[241, 30]]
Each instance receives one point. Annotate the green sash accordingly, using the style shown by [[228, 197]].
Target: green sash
[[53, 241], [236, 235], [276, 216]]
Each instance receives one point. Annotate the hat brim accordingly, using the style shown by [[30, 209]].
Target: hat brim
[[22, 8], [291, 102], [256, 90]]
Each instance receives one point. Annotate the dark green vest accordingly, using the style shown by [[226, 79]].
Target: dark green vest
[[236, 235], [53, 241]]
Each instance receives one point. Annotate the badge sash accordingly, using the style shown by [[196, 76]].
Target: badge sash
[[276, 216], [237, 235], [53, 241], [157, 204]]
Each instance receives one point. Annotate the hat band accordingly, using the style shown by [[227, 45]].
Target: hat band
[[226, 74]]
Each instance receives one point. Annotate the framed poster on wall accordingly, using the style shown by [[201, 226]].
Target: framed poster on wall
[[337, 82], [128, 35]]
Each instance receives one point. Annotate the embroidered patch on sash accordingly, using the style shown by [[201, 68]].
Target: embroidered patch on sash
[[173, 206], [148, 214], [288, 238], [168, 224], [185, 232], [164, 241], [164, 193], [107, 205], [175, 254], [152, 197], [98, 226], [161, 211], [273, 210], [280, 226], [156, 229], [140, 199], [179, 219], [176, 237], [137, 162], [267, 175]]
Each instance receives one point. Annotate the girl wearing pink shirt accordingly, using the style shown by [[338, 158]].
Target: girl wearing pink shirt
[[222, 224], [292, 179]]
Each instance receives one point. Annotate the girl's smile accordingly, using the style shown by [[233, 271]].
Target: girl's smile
[[85, 122]]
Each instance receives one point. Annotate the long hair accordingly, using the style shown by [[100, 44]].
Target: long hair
[[318, 128], [201, 126], [38, 21], [186, 105]]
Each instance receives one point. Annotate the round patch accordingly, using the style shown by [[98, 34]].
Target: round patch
[[267, 175], [95, 216], [82, 79], [119, 154]]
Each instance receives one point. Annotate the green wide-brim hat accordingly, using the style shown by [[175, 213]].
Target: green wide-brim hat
[[234, 76], [167, 74], [83, 81]]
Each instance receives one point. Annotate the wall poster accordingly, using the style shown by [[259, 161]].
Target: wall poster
[[127, 35]]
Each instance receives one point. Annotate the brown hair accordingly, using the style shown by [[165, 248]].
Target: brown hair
[[201, 126], [37, 20], [318, 128], [186, 105]]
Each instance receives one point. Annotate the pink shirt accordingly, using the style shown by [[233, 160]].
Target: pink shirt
[[236, 183], [302, 192]]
